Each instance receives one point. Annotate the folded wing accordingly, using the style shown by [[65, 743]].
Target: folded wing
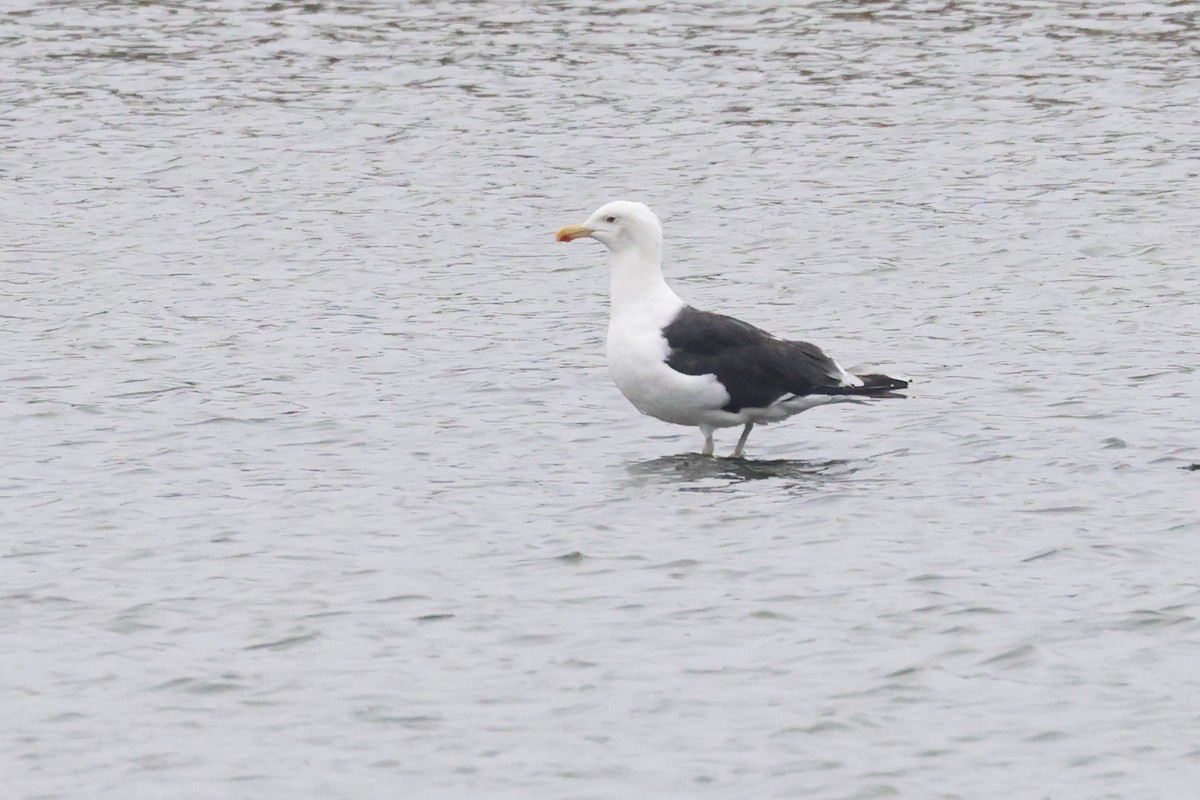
[[756, 368]]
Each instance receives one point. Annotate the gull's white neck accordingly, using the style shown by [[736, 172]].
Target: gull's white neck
[[637, 284]]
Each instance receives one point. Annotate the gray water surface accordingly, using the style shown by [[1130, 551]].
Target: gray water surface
[[314, 484]]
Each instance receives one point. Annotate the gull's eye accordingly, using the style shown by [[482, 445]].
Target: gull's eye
[[610, 219]]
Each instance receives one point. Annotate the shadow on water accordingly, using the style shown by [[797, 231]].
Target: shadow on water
[[718, 473]]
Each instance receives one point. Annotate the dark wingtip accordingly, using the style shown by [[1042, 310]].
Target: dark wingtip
[[882, 383]]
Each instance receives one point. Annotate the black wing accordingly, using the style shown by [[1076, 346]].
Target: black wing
[[755, 367]]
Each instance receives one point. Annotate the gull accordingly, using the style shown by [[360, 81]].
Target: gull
[[697, 368]]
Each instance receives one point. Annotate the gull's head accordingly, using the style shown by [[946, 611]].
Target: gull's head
[[620, 225]]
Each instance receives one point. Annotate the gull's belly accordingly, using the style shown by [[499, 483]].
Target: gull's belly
[[637, 364]]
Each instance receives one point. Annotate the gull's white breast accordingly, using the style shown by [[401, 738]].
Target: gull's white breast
[[637, 362]]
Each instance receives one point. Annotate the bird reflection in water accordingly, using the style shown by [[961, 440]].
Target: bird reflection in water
[[693, 468]]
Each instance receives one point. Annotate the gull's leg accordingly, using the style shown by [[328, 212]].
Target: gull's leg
[[740, 450], [708, 442]]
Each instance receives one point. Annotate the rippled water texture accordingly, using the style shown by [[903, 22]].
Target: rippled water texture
[[314, 484]]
